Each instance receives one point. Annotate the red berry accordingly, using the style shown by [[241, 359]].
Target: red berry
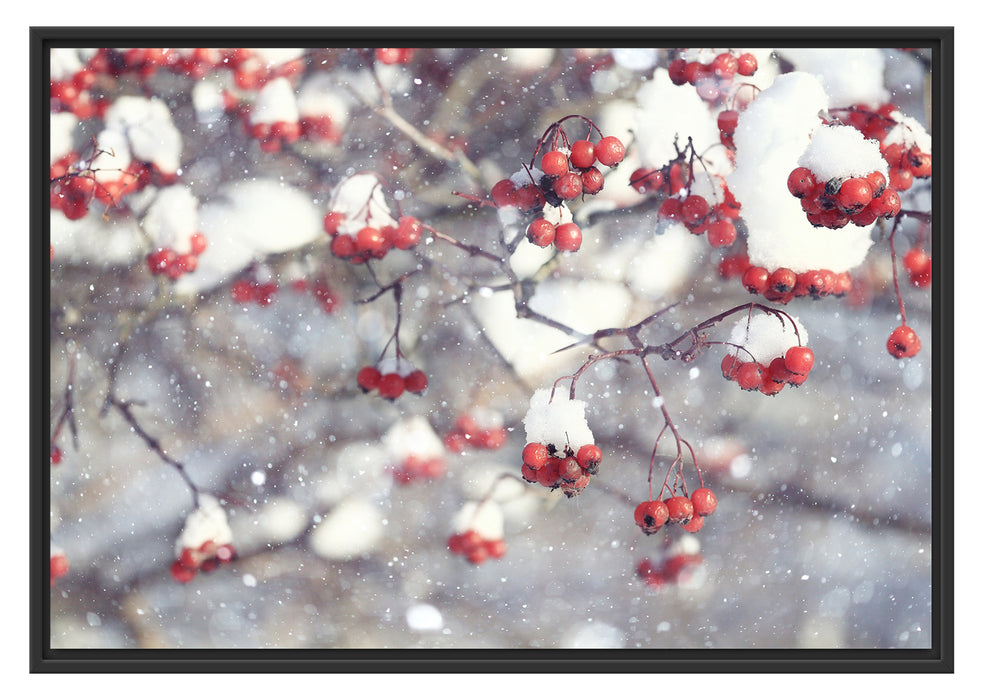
[[529, 474], [755, 279], [695, 524], [645, 180], [903, 342], [855, 194], [695, 208], [724, 65], [529, 197], [198, 243], [778, 372], [704, 501], [589, 457], [409, 232], [568, 237], [877, 182], [749, 376], [368, 378], [582, 154], [671, 209], [541, 232], [555, 164], [731, 265], [609, 151], [727, 121], [495, 548], [592, 180], [782, 280], [415, 382], [504, 193], [536, 455], [799, 359], [343, 246], [680, 509], [369, 241], [55, 454], [651, 516], [677, 71], [801, 182], [181, 573], [569, 469], [919, 162], [568, 186], [887, 205], [729, 366], [391, 386], [721, 233], [917, 261], [747, 64]]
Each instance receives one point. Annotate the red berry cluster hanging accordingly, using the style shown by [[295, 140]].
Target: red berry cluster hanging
[[251, 291], [727, 124], [391, 379], [566, 172], [686, 511], [712, 74], [167, 261], [699, 216], [418, 468], [897, 136], [675, 569], [204, 558], [837, 202], [475, 548], [560, 468], [783, 284], [361, 225], [481, 428], [73, 195], [792, 369]]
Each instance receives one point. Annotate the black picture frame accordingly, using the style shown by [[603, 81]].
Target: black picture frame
[[937, 659]]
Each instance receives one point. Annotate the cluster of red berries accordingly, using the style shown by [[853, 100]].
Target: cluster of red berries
[[905, 162], [254, 292], [568, 173], [393, 56], [782, 284], [479, 429], [475, 548], [371, 242], [416, 468], [208, 556], [793, 369], [273, 135], [59, 566], [166, 261], [696, 213], [688, 513], [56, 455], [323, 293], [673, 570], [554, 468], [903, 342], [391, 385], [72, 196], [712, 79], [839, 201], [918, 265]]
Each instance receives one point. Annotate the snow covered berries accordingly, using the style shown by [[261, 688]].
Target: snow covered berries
[[559, 450], [768, 351], [205, 542], [478, 532]]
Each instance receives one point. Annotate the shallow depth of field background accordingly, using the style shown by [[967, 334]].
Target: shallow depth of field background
[[822, 537]]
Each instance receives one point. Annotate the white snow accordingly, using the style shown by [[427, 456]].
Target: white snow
[[62, 134], [352, 529], [484, 517], [275, 102], [848, 76], [908, 132], [362, 199], [766, 337], [839, 151], [206, 523], [413, 436], [172, 218], [149, 130], [560, 422]]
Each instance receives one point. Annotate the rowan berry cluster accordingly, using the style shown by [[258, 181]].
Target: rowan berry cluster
[[566, 172], [204, 558], [391, 57], [675, 569], [72, 196], [475, 548], [391, 378], [416, 468], [783, 284], [167, 261], [792, 369], [251, 291], [711, 72], [686, 511], [836, 202], [481, 428], [700, 216], [898, 137], [561, 468]]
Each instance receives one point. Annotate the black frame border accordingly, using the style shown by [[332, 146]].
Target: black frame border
[[937, 659]]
